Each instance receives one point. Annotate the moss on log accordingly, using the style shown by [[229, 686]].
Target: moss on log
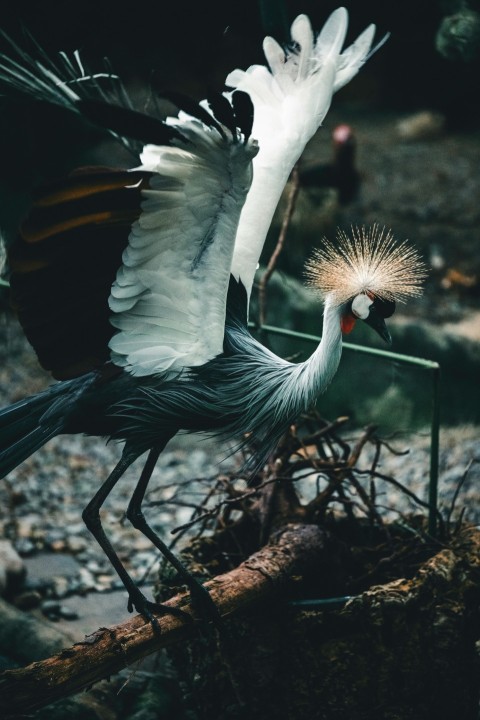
[[400, 651]]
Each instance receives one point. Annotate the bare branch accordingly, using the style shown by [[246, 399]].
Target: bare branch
[[263, 578], [457, 490], [262, 286]]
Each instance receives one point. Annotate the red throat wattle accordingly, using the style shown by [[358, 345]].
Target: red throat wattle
[[347, 323]]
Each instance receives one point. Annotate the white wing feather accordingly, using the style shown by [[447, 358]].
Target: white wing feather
[[168, 300], [290, 102], [169, 296]]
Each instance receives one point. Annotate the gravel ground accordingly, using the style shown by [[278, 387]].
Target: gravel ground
[[48, 492], [42, 500]]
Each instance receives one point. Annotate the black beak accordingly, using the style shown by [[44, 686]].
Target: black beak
[[376, 321]]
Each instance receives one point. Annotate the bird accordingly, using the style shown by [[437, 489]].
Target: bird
[[340, 173], [133, 284]]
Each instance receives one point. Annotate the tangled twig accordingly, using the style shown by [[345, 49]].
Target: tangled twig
[[272, 263], [312, 452]]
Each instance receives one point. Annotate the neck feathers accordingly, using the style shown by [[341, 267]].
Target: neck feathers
[[265, 394], [312, 377]]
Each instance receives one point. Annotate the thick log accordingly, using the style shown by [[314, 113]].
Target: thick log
[[25, 638], [405, 650], [263, 578]]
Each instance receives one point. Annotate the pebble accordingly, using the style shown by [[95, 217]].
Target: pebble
[[27, 524], [44, 511], [54, 492], [56, 545], [55, 611], [76, 544], [93, 567], [12, 569], [104, 583], [51, 609], [60, 586], [68, 613], [27, 600], [87, 581], [425, 125]]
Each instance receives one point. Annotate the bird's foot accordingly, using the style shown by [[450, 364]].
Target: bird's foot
[[147, 608], [203, 604]]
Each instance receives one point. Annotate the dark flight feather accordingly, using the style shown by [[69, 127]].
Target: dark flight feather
[[243, 109], [128, 123], [183, 102], [223, 111], [64, 261]]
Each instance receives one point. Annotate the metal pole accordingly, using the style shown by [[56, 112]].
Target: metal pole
[[430, 365], [434, 453]]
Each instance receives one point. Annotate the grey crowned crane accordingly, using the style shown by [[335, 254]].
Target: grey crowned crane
[[133, 285]]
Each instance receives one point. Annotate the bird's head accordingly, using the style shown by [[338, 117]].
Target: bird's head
[[364, 274]]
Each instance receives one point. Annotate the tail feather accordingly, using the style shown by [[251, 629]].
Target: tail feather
[[19, 425], [20, 450], [28, 424], [63, 81]]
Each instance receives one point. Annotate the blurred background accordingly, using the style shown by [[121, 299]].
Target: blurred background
[[195, 43], [407, 158], [413, 148]]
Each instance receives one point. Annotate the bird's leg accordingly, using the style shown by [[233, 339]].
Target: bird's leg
[[200, 596], [91, 518]]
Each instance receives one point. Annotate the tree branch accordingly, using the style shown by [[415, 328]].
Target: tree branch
[[262, 578], [272, 263]]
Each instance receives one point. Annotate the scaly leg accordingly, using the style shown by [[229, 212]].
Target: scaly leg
[[91, 517], [200, 595]]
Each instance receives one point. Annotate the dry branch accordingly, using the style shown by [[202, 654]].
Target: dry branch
[[272, 263], [261, 578], [403, 649]]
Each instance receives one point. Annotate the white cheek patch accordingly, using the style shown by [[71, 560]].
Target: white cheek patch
[[361, 306]]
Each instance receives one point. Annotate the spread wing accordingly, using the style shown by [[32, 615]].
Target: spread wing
[[64, 260], [163, 234], [169, 296], [290, 100]]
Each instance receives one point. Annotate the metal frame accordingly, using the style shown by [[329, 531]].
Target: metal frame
[[429, 365]]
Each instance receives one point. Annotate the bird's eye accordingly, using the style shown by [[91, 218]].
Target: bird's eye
[[385, 308], [361, 306]]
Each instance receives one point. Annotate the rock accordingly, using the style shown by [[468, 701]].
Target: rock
[[87, 580], [423, 125], [57, 546], [27, 600], [55, 611], [68, 613], [25, 638], [76, 543], [12, 569], [458, 36], [60, 586], [25, 546], [51, 609]]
